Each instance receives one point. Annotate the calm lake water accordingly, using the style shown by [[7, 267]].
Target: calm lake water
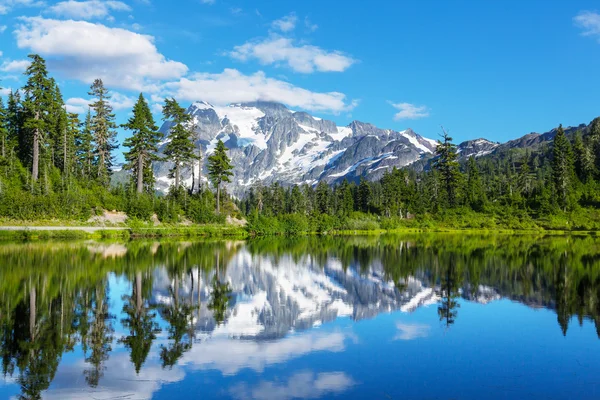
[[410, 317]]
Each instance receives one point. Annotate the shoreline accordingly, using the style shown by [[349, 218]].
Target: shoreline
[[44, 232]]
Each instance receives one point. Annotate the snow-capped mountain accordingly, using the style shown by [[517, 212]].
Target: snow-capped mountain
[[268, 142]]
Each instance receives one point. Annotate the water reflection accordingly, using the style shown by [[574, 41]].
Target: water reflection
[[88, 318]]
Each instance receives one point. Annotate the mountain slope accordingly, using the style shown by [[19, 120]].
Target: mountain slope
[[269, 143]]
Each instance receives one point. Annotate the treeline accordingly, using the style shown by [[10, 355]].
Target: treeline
[[53, 165], [555, 186]]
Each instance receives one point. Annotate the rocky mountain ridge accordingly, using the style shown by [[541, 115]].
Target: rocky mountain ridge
[[270, 143]]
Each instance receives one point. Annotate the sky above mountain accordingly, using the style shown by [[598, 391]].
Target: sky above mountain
[[481, 69]]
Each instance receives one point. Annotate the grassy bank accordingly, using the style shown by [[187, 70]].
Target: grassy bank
[[197, 231]]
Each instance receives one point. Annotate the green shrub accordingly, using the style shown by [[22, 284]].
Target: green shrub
[[140, 207], [294, 224]]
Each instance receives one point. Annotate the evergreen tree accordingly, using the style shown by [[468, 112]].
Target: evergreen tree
[[38, 92], [14, 120], [584, 158], [323, 197], [447, 165], [84, 144], [103, 131], [69, 143], [475, 191], [562, 168], [594, 138], [180, 149], [364, 194], [4, 136], [345, 199], [143, 144], [219, 169]]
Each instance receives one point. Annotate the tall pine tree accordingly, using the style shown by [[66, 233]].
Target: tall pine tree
[[103, 131], [219, 169], [84, 144], [180, 149], [38, 93], [562, 168], [143, 145], [447, 165]]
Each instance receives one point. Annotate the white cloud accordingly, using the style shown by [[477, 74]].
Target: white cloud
[[121, 102], [409, 111], [87, 9], [231, 86], [285, 24], [77, 105], [305, 59], [303, 385], [589, 22], [309, 25], [86, 51], [118, 101], [411, 331], [3, 28], [4, 91], [156, 108], [14, 66], [207, 1], [8, 5]]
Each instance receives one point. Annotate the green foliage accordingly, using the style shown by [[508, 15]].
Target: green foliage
[[219, 169], [143, 146], [102, 127], [140, 207], [179, 149]]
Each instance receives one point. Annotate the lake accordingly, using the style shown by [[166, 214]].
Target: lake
[[420, 316]]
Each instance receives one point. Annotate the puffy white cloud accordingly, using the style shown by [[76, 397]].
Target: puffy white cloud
[[87, 9], [3, 28], [411, 331], [588, 21], [4, 91], [14, 66], [121, 102], [231, 86], [285, 24], [77, 105], [302, 385], [117, 100], [305, 58], [8, 5], [409, 111], [85, 51]]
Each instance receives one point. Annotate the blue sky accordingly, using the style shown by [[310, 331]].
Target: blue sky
[[481, 69]]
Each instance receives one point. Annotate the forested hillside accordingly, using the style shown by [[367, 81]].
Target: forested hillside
[[55, 166]]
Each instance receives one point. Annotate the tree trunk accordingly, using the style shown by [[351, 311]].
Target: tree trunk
[[218, 198], [35, 169], [65, 151], [177, 175], [193, 176], [140, 174]]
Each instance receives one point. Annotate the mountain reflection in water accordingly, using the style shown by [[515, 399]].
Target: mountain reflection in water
[[110, 320]]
